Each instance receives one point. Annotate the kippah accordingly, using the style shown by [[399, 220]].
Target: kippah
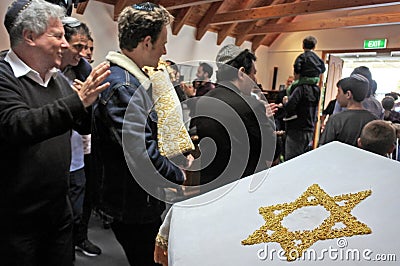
[[70, 22], [359, 77], [13, 12], [228, 53]]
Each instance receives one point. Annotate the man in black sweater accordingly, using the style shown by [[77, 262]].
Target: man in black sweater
[[236, 135], [38, 109]]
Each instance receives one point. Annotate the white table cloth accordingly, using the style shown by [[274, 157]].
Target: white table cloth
[[208, 229]]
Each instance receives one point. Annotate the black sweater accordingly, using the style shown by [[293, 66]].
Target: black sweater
[[35, 151]]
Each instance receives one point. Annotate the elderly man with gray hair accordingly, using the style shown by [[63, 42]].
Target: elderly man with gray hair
[[38, 109]]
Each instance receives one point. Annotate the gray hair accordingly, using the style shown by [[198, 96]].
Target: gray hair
[[35, 18]]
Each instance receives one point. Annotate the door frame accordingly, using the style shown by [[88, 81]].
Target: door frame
[[323, 81]]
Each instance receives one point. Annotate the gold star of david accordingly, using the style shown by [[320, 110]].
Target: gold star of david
[[295, 243]]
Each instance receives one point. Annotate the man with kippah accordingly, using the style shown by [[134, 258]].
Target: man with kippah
[[370, 103], [236, 122], [236, 135], [128, 107], [346, 126], [38, 110]]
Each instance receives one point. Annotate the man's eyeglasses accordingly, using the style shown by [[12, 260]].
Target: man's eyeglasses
[[147, 6]]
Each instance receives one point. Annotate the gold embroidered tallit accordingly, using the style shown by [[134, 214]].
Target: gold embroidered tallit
[[173, 138]]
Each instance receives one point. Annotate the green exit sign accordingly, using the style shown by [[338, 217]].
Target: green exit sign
[[375, 44]]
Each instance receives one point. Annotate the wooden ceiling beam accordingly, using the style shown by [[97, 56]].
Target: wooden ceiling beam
[[80, 9], [180, 19], [243, 28], [203, 25], [258, 39], [176, 4], [342, 22], [227, 29], [119, 6], [269, 38], [168, 4], [224, 32], [294, 9], [109, 2], [246, 27]]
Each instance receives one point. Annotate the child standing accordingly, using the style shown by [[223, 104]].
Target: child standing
[[307, 70], [346, 126]]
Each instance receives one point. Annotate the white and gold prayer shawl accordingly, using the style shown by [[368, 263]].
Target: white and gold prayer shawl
[[173, 138]]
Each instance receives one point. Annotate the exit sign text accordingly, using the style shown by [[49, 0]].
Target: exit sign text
[[375, 44]]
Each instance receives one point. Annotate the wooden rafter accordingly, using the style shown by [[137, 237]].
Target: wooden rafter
[[227, 29], [224, 32], [119, 6], [247, 26], [80, 9], [262, 21], [269, 38], [243, 28], [110, 2], [176, 4], [180, 19], [293, 9], [309, 25], [205, 21], [257, 40]]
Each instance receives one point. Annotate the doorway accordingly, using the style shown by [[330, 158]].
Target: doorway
[[384, 66]]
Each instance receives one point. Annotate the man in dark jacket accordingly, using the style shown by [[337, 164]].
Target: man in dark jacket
[[38, 109], [75, 67], [236, 136], [301, 103], [126, 134], [299, 131]]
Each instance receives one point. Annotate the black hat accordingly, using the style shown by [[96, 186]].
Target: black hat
[[13, 12]]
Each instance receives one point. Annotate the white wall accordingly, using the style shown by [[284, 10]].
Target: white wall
[[99, 18], [184, 47], [4, 41], [181, 48], [286, 48]]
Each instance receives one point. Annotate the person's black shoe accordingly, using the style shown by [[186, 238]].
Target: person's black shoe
[[88, 248]]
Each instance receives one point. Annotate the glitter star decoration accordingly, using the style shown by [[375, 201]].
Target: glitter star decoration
[[295, 243]]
